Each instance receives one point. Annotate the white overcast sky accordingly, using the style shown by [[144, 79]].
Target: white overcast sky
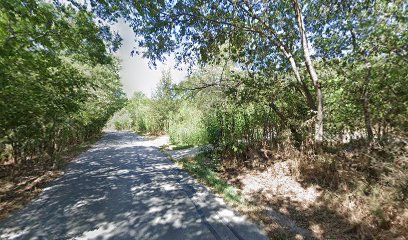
[[135, 73]]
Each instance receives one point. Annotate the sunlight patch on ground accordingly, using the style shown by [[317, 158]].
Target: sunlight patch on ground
[[169, 187], [278, 182], [106, 230], [85, 202], [155, 209], [14, 234], [170, 217], [230, 215]]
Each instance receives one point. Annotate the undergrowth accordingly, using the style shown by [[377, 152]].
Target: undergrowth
[[205, 170], [366, 185], [181, 147], [19, 183]]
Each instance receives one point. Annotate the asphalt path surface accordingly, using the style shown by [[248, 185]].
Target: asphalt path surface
[[125, 188]]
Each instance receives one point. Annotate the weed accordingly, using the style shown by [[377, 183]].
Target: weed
[[205, 171]]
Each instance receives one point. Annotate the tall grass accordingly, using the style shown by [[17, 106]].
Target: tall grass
[[186, 126]]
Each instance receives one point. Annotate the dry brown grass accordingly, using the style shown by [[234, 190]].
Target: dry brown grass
[[365, 185], [351, 193], [19, 184]]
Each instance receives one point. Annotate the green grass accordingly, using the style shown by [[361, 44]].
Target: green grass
[[205, 171], [182, 146]]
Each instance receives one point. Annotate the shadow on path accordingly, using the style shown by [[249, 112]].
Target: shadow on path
[[124, 188]]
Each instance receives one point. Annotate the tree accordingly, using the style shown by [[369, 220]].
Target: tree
[[363, 34], [59, 83], [264, 35], [164, 100]]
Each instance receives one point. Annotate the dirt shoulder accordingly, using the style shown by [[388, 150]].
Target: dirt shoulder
[[327, 195], [294, 196], [286, 208]]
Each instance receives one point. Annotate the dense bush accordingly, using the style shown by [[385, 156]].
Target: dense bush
[[187, 126], [140, 115], [180, 118], [59, 84]]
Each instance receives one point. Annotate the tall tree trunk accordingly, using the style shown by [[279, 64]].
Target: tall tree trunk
[[365, 98], [366, 105], [309, 98], [313, 75], [278, 42]]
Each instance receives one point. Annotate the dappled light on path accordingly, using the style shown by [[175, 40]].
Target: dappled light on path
[[124, 188]]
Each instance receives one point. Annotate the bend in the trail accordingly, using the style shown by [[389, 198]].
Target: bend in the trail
[[125, 188]]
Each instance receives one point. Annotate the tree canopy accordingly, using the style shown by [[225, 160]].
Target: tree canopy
[[59, 83]]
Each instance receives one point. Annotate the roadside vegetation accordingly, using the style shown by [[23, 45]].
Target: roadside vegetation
[[205, 170], [355, 184], [305, 104], [59, 84]]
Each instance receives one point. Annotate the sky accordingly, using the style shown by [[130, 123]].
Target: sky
[[135, 73]]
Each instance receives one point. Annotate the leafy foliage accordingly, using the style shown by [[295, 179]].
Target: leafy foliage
[[59, 84], [272, 75]]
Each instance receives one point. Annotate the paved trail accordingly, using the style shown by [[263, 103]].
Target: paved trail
[[125, 188]]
